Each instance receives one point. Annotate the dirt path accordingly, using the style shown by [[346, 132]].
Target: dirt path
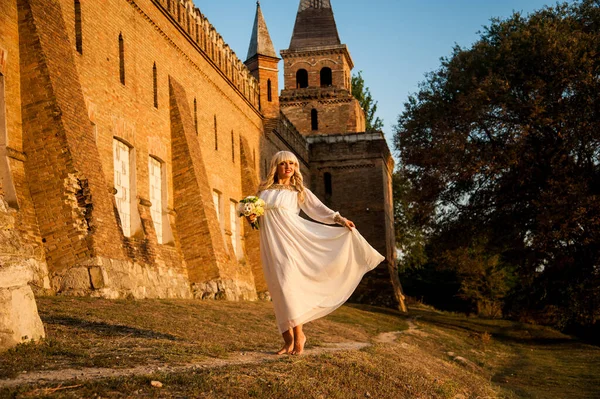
[[244, 358]]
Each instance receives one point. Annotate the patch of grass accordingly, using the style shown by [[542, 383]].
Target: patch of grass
[[527, 360], [448, 356], [380, 372], [92, 332]]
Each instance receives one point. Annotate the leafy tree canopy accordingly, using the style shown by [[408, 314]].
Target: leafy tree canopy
[[363, 95], [500, 147]]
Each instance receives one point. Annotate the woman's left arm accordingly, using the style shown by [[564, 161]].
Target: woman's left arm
[[316, 210]]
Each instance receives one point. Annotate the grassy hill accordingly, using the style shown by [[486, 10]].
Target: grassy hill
[[115, 349]]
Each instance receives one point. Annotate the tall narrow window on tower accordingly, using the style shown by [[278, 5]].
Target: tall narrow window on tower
[[269, 95], [316, 3], [78, 34], [301, 79], [155, 85], [314, 119], [121, 59], [328, 186], [326, 78]]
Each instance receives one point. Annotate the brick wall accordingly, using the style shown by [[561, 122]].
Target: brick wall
[[13, 158], [85, 106]]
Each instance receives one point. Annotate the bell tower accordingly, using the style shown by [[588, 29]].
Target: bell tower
[[317, 97], [262, 61]]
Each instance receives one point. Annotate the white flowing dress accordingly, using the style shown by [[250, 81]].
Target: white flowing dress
[[310, 269]]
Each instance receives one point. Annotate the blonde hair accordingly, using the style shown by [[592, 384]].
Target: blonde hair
[[296, 181]]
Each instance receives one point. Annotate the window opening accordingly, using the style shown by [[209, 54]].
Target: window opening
[[326, 77], [301, 79], [121, 59], [328, 186], [78, 33], [155, 85]]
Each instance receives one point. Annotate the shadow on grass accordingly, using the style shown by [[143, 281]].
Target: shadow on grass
[[106, 329], [376, 309], [502, 330]]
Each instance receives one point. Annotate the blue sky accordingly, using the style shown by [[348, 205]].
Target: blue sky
[[393, 42]]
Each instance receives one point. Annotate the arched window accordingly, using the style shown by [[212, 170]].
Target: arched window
[[326, 79], [327, 181], [301, 79], [314, 119], [155, 85], [78, 36], [121, 59], [269, 96]]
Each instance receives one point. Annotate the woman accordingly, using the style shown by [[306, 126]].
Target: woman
[[311, 269]]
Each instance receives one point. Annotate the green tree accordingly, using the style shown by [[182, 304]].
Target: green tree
[[363, 95], [501, 145]]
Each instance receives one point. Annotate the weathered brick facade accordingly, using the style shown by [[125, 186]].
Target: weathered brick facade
[[79, 79]]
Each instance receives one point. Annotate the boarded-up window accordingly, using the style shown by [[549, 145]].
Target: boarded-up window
[[10, 194], [156, 196], [234, 220], [123, 184], [217, 202]]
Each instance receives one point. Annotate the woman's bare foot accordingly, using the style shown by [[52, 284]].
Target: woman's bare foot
[[299, 342], [288, 346]]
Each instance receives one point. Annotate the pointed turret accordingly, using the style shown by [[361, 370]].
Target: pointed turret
[[260, 43], [263, 63], [315, 25], [318, 75]]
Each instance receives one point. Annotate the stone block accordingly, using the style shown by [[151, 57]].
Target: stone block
[[76, 279], [14, 272], [98, 277], [19, 319]]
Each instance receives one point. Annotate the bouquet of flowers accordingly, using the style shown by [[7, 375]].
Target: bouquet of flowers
[[249, 206]]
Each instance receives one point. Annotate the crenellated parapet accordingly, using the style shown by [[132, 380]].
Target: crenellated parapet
[[197, 29], [288, 134]]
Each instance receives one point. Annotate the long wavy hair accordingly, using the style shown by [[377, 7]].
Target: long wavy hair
[[297, 181]]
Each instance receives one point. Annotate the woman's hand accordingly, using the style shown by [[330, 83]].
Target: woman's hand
[[252, 218], [350, 224]]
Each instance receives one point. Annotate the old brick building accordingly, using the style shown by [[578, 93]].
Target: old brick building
[[128, 131]]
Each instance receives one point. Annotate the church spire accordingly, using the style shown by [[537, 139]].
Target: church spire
[[315, 25], [260, 43]]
